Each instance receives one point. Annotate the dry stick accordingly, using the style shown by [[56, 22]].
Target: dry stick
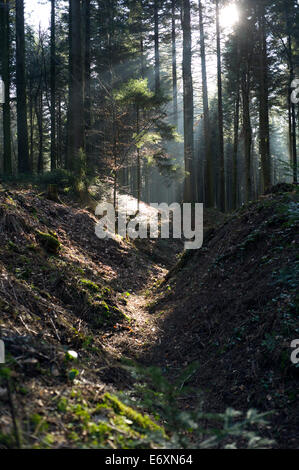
[[13, 415], [55, 329]]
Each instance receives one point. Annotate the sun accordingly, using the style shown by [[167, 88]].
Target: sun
[[229, 15]]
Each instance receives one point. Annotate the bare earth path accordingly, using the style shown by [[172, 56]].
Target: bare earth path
[[144, 331], [153, 260]]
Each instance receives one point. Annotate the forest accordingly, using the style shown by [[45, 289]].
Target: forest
[[137, 342]]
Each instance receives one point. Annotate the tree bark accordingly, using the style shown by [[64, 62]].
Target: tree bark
[[235, 147], [292, 120], [39, 117], [31, 126], [246, 42], [174, 64], [53, 87], [222, 200], [247, 130], [138, 160], [23, 151], [208, 179], [157, 48], [76, 105], [264, 99], [189, 183], [5, 63], [87, 75]]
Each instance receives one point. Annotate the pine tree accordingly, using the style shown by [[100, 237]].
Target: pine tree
[[222, 196], [5, 70], [189, 186], [53, 87], [23, 151], [208, 180], [76, 104], [264, 97]]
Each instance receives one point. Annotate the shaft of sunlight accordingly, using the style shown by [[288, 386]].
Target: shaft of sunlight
[[229, 15]]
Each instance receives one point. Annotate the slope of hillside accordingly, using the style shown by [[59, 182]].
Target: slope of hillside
[[233, 307], [63, 294]]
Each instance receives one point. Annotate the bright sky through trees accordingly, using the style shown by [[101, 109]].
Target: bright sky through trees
[[229, 15], [37, 13]]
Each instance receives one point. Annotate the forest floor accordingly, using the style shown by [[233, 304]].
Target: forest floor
[[230, 308]]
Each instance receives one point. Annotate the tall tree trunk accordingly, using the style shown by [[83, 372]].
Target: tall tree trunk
[[174, 64], [39, 117], [141, 39], [290, 132], [76, 105], [87, 75], [222, 200], [293, 143], [235, 147], [189, 183], [295, 164], [23, 151], [208, 177], [69, 146], [31, 127], [53, 88], [246, 44], [138, 159], [157, 47], [292, 120], [5, 66], [59, 134], [142, 60], [264, 99], [247, 131]]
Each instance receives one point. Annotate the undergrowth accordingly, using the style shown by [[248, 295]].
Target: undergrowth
[[147, 416]]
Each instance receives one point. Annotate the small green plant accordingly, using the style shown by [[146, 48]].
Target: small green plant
[[39, 423], [73, 373], [62, 405]]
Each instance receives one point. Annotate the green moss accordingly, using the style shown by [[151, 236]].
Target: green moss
[[142, 421], [49, 242], [91, 286], [31, 247], [106, 292], [79, 270], [12, 246], [81, 413], [105, 307], [119, 312]]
